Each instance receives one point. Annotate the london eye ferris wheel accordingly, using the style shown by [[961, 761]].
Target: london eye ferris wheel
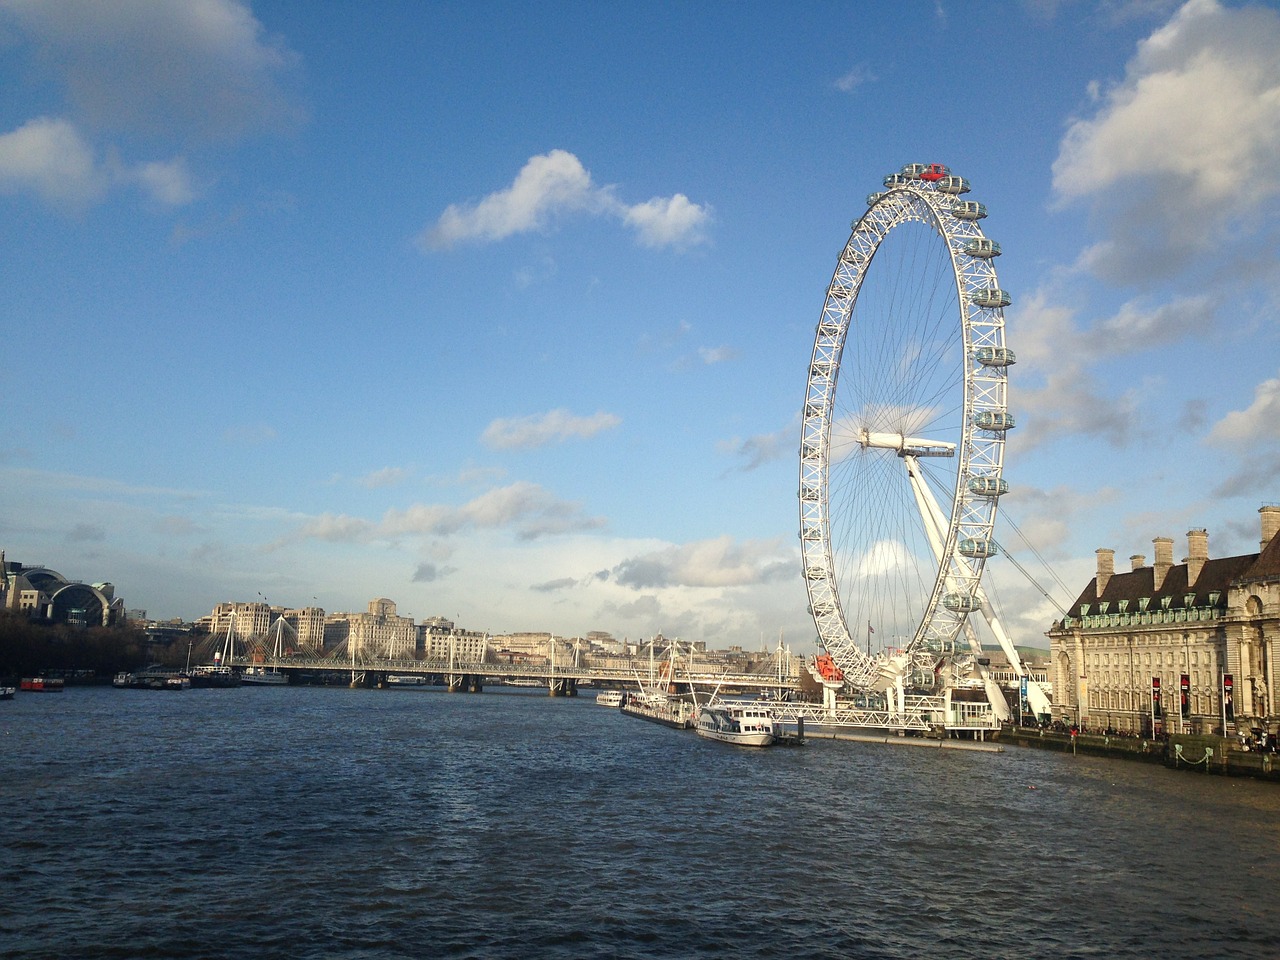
[[904, 426]]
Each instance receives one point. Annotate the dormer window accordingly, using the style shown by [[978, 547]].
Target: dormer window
[[1103, 605], [1123, 606], [1166, 603], [1189, 600], [1143, 602], [1214, 597]]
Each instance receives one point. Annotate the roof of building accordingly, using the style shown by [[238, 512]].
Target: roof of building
[[1215, 577], [1266, 564]]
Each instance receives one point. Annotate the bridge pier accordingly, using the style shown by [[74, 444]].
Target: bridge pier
[[562, 687], [465, 683]]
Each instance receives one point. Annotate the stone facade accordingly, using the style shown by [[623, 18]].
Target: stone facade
[[1204, 619]]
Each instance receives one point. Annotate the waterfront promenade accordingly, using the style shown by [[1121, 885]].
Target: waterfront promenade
[[1207, 754]]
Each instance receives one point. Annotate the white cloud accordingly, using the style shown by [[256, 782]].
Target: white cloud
[[668, 221], [540, 430], [1259, 422], [720, 562], [527, 510], [1059, 393], [1166, 155], [554, 184], [713, 355], [201, 68], [855, 78], [167, 182], [48, 156], [762, 448]]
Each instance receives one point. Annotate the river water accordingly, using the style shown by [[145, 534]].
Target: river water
[[333, 823]]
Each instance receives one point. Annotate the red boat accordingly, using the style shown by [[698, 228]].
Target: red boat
[[41, 684]]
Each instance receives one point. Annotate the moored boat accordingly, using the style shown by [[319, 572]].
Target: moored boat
[[122, 679], [219, 673], [675, 713], [6, 693], [609, 698], [744, 724], [159, 678], [261, 677], [214, 675], [405, 680], [41, 684]]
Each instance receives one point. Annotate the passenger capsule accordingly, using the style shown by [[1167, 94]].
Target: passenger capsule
[[873, 197], [933, 172], [995, 356], [896, 180], [990, 297], [990, 487], [822, 368], [969, 210], [960, 603], [978, 548], [953, 185], [982, 248], [995, 420], [914, 170], [828, 328]]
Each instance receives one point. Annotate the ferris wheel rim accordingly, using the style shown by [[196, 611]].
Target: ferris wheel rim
[[980, 449]]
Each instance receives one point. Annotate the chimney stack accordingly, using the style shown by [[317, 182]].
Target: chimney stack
[[1106, 567], [1197, 554], [1164, 559], [1137, 562], [1270, 523]]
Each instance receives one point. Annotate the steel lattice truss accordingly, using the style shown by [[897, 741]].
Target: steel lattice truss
[[934, 202]]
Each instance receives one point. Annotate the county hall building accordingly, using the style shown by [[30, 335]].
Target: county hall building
[[1192, 645]]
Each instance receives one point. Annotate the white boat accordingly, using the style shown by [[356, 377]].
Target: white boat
[[6, 693], [405, 680], [219, 673], [609, 698], [262, 677], [259, 676], [744, 724]]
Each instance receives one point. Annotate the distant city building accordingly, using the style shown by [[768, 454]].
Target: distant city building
[[307, 625], [440, 642], [1171, 638], [379, 633], [39, 592], [246, 621]]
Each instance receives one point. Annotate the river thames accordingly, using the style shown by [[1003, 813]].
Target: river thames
[[334, 823]]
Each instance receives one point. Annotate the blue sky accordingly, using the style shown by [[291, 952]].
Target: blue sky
[[507, 317]]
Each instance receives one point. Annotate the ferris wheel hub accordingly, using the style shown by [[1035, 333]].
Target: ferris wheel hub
[[904, 445]]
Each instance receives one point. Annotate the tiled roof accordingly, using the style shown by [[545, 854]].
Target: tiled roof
[[1215, 577], [1266, 563]]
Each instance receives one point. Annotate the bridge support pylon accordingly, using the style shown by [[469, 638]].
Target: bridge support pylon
[[562, 687]]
